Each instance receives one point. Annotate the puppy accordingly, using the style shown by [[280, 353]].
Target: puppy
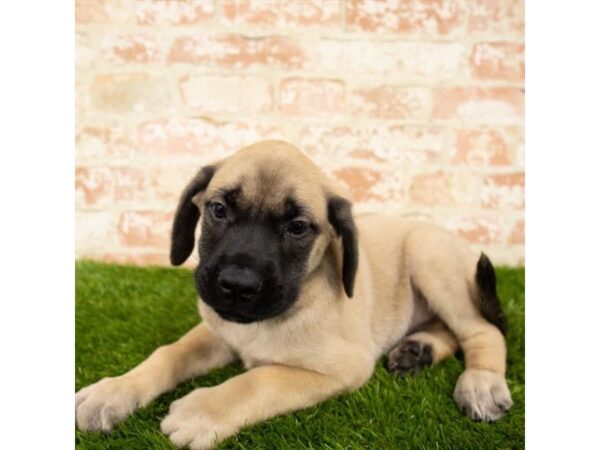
[[309, 299]]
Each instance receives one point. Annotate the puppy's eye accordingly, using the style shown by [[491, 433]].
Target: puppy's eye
[[297, 227], [218, 210]]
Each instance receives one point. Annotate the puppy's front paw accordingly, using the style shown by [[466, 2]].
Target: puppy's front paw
[[482, 395], [103, 404], [195, 422]]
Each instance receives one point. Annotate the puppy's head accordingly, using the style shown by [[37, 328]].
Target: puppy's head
[[268, 215]]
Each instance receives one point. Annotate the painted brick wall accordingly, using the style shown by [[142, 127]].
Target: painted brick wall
[[417, 106]]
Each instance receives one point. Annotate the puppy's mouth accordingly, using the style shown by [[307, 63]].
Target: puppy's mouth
[[238, 317], [238, 313], [271, 303], [233, 316]]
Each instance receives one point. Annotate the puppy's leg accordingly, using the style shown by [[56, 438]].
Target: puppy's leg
[[428, 346], [209, 415], [481, 391], [110, 400], [455, 285]]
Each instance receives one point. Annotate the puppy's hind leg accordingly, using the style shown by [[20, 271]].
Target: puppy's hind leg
[[481, 391], [430, 345]]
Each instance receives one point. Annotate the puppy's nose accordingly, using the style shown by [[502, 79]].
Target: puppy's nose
[[239, 282]]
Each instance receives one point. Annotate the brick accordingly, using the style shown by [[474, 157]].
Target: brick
[[481, 147], [496, 17], [144, 12], [406, 60], [158, 183], [429, 17], [311, 97], [98, 143], [92, 142], [81, 97], [392, 145], [446, 188], [206, 140], [132, 93], [87, 53], [94, 232], [90, 11], [92, 185], [484, 105], [134, 49], [517, 235], [113, 47], [367, 185], [307, 14], [520, 147], [168, 184], [498, 61], [211, 94], [504, 191], [233, 51], [130, 184], [113, 185], [432, 189], [225, 94], [476, 230], [145, 228], [390, 102], [181, 12], [466, 188], [105, 12]]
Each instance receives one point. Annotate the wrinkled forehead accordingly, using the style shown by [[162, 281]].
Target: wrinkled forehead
[[270, 188]]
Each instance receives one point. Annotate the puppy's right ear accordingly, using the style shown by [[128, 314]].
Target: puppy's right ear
[[186, 217]]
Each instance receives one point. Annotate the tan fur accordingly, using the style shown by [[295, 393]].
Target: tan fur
[[439, 337], [326, 343]]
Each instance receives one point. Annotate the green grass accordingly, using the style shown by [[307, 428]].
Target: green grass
[[123, 313]]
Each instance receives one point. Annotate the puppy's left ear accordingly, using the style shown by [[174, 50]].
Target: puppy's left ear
[[186, 217], [339, 212]]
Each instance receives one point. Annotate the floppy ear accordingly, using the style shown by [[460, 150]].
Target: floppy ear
[[186, 217], [339, 211]]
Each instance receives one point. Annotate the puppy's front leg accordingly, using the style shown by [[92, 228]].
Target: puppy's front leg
[[209, 415], [103, 404]]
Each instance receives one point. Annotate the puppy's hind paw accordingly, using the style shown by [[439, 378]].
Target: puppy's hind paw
[[408, 357], [482, 395]]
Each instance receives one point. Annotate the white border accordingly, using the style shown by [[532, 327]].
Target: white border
[[562, 224], [37, 225]]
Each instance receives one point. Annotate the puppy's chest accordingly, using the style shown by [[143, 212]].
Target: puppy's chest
[[257, 346]]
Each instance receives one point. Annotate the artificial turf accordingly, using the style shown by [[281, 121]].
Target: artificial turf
[[123, 313]]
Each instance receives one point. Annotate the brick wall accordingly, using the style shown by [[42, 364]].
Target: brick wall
[[416, 106]]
